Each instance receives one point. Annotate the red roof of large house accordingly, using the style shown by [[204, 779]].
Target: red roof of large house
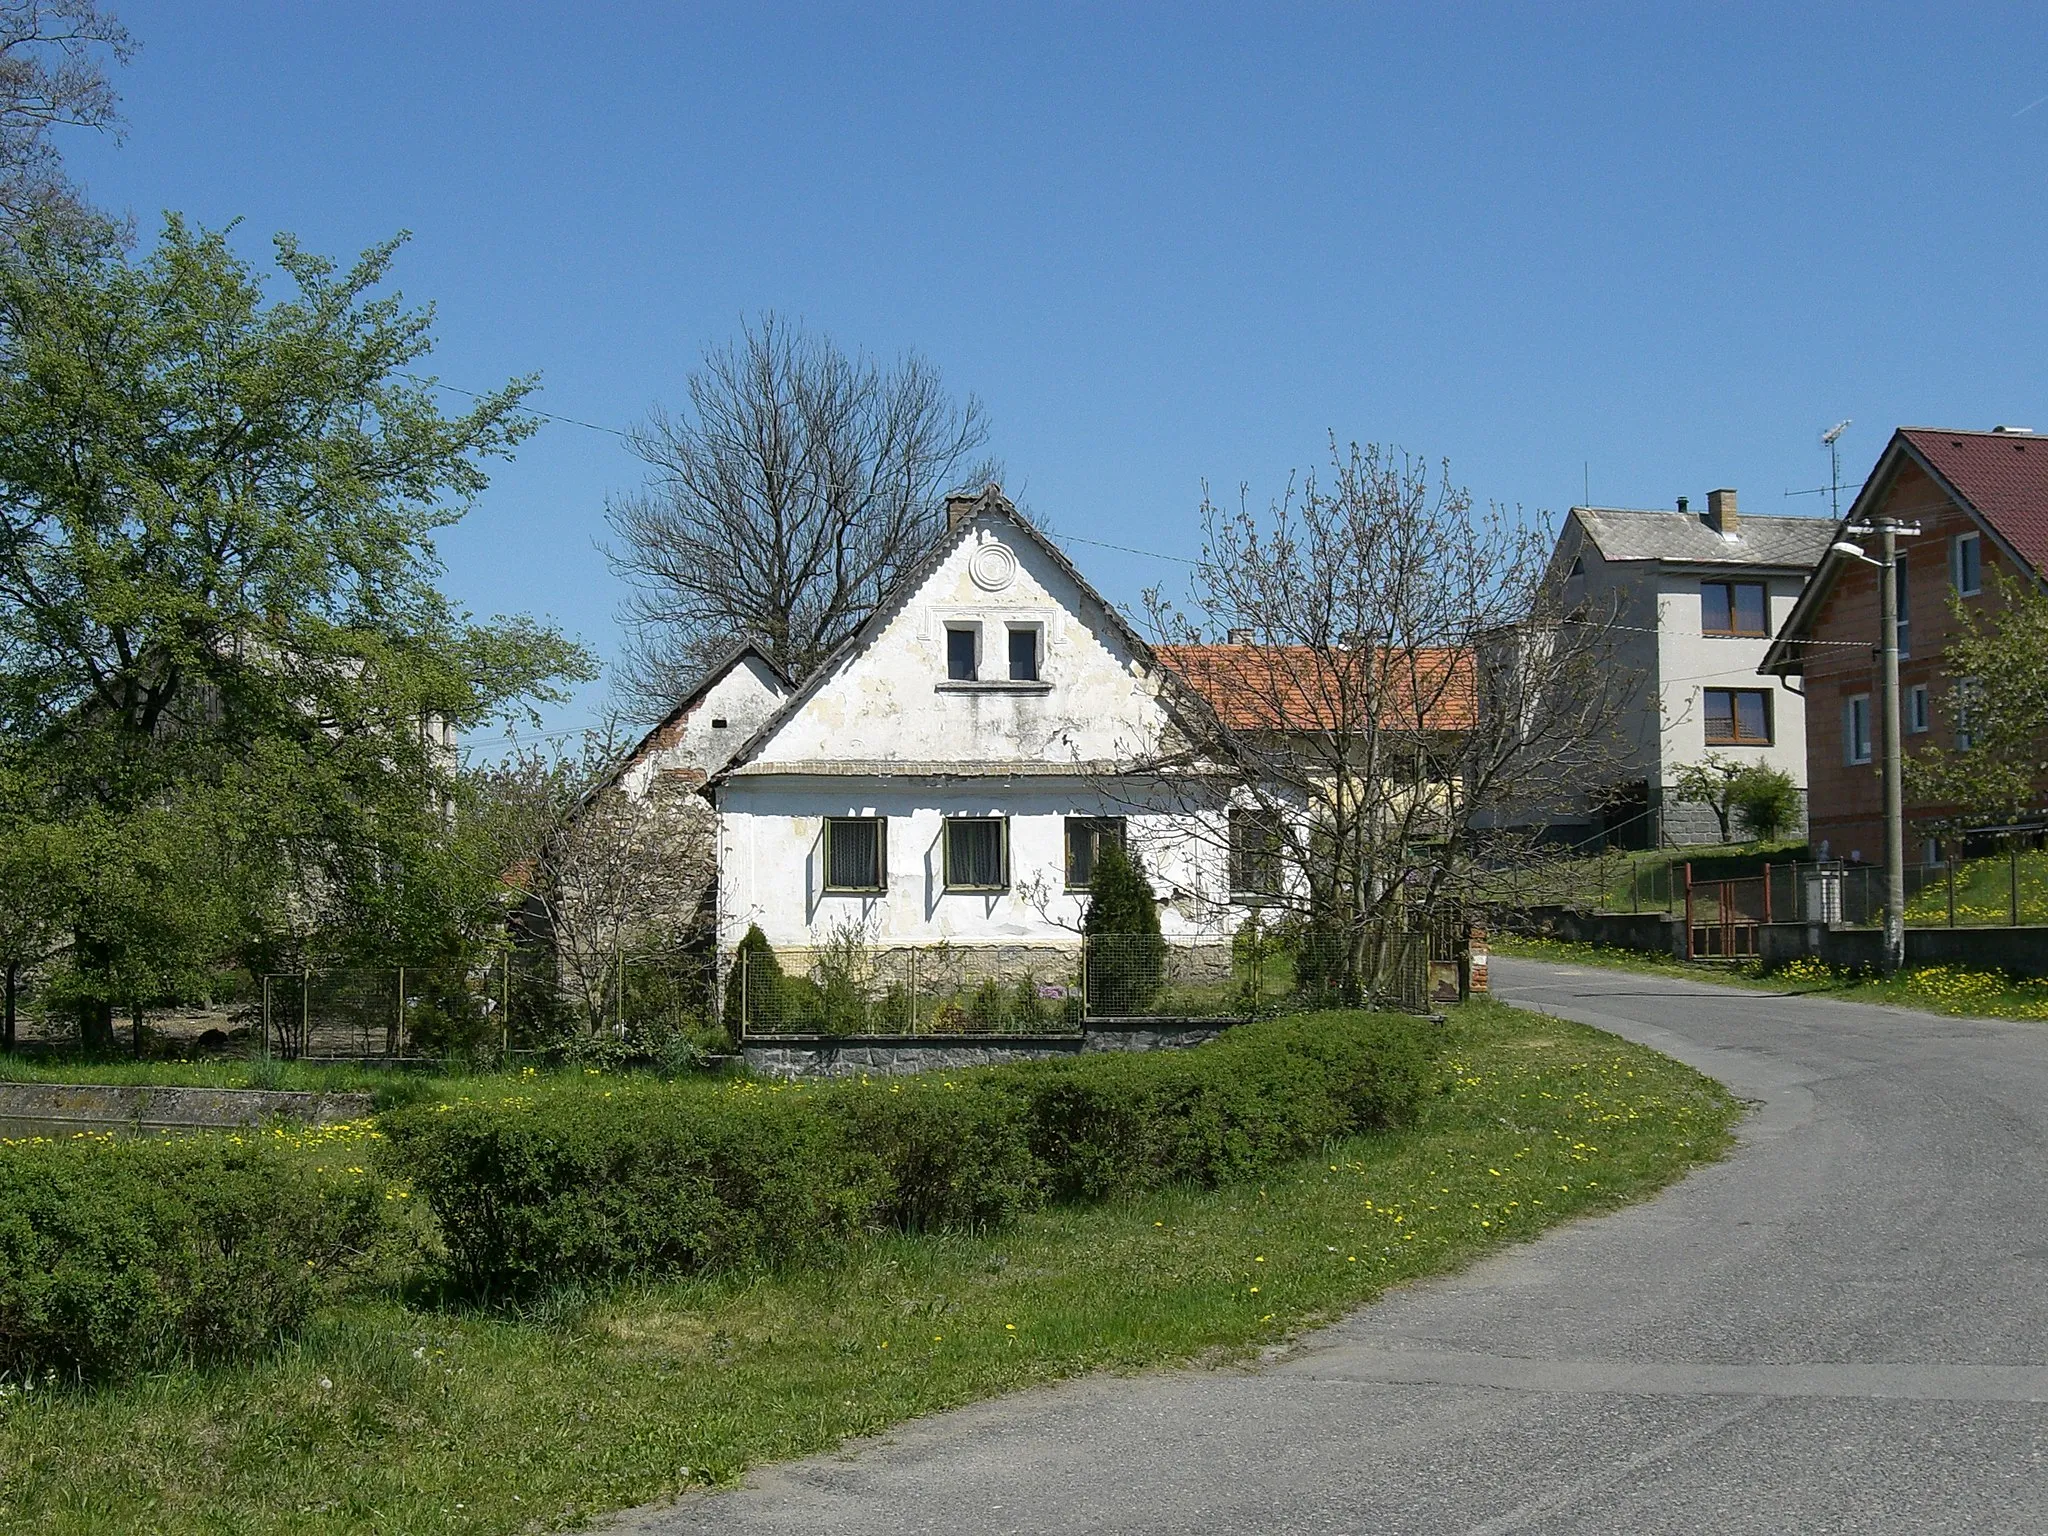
[[1300, 688], [2004, 475]]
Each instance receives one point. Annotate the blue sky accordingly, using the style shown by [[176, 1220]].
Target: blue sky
[[1650, 249]]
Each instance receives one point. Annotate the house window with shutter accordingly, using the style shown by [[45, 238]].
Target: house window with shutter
[[977, 853], [856, 853]]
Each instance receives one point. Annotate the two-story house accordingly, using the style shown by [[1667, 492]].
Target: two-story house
[[1694, 601], [1979, 502]]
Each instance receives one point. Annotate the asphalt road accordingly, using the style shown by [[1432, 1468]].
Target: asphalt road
[[1842, 1327]]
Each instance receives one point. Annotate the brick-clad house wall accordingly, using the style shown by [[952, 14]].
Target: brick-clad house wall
[[1845, 801]]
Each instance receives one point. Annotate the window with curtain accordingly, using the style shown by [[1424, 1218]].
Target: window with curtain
[[1738, 717], [1086, 838], [856, 853], [977, 853], [1734, 608]]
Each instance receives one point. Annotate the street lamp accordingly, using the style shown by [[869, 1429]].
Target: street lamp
[[1890, 532]]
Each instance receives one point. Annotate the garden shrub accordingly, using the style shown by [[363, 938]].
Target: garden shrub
[[126, 1256], [653, 1181]]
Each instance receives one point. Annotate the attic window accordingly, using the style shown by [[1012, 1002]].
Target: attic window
[[960, 648]]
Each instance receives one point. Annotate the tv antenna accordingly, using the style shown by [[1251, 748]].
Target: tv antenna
[[1832, 441]]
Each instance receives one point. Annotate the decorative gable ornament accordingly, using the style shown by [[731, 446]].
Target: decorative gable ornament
[[992, 568]]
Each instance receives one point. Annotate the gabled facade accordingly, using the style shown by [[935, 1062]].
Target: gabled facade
[[1980, 500], [732, 701], [947, 776], [1694, 600]]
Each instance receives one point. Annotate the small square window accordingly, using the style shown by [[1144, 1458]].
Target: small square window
[[961, 644], [1024, 655], [1087, 836], [977, 853], [1734, 608], [1966, 557], [856, 853], [1738, 717]]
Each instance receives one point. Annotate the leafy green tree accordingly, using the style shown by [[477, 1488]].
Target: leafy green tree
[[228, 676], [1997, 701], [1128, 965], [1767, 800]]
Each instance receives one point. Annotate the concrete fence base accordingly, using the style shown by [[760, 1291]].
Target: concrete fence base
[[887, 1055], [151, 1108]]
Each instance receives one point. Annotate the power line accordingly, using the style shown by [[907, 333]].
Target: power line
[[456, 389]]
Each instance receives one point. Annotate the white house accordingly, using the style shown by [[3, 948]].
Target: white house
[[1695, 601], [948, 775]]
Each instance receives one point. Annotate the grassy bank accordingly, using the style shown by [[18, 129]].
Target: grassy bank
[[387, 1417], [1945, 989]]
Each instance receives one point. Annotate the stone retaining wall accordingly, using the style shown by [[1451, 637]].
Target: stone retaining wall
[[886, 1055], [159, 1106]]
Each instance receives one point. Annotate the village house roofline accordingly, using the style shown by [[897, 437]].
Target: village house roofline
[[1998, 479], [991, 503], [1294, 688], [1625, 534], [713, 675], [893, 768]]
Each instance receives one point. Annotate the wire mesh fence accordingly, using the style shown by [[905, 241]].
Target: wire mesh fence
[[1107, 978]]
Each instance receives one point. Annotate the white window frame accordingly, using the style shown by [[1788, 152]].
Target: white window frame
[[1966, 692], [1919, 710], [1903, 588], [1037, 633], [1855, 742], [1975, 542], [953, 627]]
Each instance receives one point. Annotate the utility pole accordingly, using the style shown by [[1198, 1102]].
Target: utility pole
[[1894, 753], [1889, 531]]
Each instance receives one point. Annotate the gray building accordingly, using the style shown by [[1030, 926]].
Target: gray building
[[1695, 599]]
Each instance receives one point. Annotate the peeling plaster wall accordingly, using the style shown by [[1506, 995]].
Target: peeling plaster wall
[[744, 699], [771, 863]]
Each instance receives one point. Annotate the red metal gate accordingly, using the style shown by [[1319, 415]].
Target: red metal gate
[[1723, 917]]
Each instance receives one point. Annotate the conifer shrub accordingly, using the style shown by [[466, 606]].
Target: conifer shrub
[[755, 975], [1126, 954]]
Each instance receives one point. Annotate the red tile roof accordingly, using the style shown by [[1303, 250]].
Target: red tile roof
[[2004, 475], [1299, 688]]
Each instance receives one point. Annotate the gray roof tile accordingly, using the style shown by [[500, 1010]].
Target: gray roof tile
[[1623, 534]]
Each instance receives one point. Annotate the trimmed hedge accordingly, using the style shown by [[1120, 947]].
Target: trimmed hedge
[[127, 1256], [671, 1181]]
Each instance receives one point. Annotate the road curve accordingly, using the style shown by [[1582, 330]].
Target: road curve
[[1842, 1327]]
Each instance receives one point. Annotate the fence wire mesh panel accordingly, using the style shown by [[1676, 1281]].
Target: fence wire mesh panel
[[940, 990], [400, 1013], [1255, 975]]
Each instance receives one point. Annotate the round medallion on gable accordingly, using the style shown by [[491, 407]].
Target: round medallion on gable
[[992, 567]]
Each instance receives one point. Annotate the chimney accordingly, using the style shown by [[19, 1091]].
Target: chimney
[[1681, 503], [1721, 514], [1240, 637], [960, 507]]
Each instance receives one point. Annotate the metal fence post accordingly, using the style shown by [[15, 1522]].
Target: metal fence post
[[1951, 890], [2012, 879]]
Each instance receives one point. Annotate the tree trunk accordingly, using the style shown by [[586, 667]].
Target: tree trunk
[[135, 1021], [13, 991], [95, 1014]]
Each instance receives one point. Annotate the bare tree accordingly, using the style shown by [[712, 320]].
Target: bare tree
[[607, 879], [783, 505], [1402, 696], [52, 75]]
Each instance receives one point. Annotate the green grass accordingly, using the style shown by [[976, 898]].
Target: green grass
[[1984, 891], [1645, 879], [390, 1418], [1944, 989]]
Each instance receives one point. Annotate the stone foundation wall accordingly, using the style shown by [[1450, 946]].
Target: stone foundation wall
[[217, 1107], [791, 1056]]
